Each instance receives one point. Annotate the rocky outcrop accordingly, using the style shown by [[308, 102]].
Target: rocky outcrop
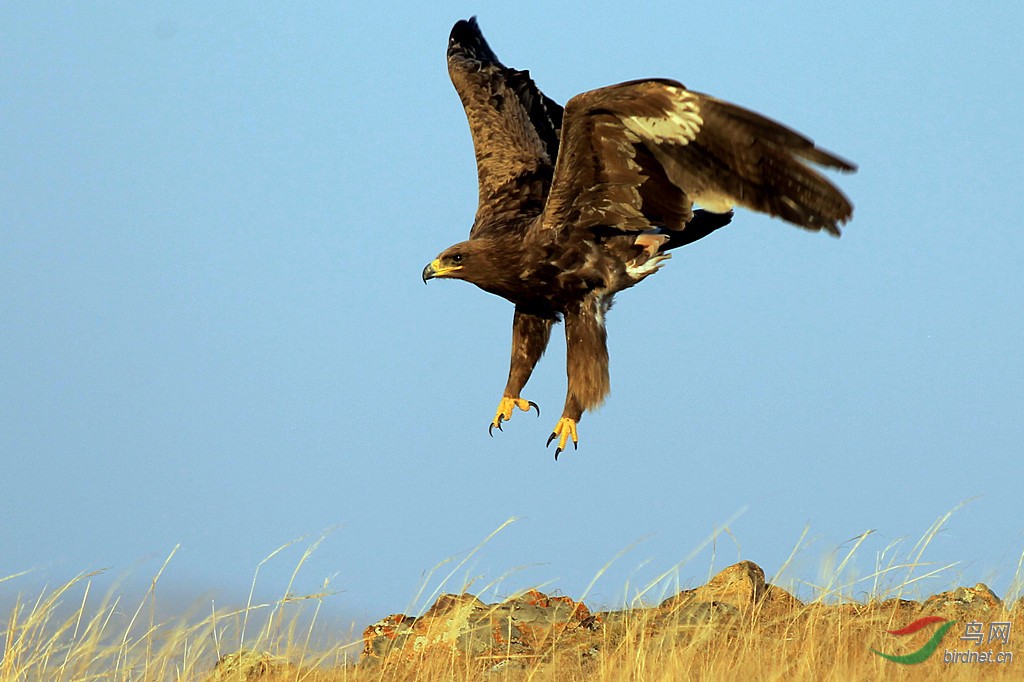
[[536, 627], [741, 586], [736, 615], [965, 602], [534, 624], [539, 636], [464, 626]]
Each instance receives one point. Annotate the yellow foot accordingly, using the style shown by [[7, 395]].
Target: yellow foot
[[505, 408], [564, 430]]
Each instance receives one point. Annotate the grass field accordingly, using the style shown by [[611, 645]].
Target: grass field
[[68, 633]]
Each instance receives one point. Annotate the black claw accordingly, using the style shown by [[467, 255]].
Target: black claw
[[490, 429], [575, 446], [551, 438], [557, 450], [534, 405]]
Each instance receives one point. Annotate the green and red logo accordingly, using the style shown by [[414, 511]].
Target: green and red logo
[[929, 647]]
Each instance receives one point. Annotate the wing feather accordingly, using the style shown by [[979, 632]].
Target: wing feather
[[515, 130], [640, 154]]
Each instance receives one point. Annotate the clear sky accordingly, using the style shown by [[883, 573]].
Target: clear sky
[[213, 219]]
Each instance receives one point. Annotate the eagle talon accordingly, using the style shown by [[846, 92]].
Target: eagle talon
[[505, 409], [564, 430]]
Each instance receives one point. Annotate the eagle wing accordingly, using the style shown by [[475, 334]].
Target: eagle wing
[[640, 154], [515, 130]]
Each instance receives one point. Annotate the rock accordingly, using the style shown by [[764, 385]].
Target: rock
[[964, 601], [778, 602], [706, 613], [740, 585], [247, 666], [538, 633], [521, 626], [386, 634]]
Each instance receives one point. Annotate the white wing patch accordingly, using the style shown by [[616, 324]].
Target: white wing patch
[[679, 125], [716, 202]]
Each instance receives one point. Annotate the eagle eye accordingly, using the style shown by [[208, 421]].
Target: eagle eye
[[456, 258]]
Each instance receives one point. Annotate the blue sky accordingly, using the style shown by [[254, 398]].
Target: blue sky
[[213, 220]]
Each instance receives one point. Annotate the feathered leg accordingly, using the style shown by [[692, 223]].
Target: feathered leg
[[586, 366], [530, 335]]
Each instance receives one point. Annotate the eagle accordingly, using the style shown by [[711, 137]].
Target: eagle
[[577, 204]]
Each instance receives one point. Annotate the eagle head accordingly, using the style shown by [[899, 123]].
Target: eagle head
[[491, 264], [447, 264], [467, 260]]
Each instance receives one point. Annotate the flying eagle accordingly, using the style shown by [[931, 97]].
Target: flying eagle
[[578, 204]]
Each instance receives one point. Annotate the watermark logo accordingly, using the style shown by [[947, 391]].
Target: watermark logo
[[998, 632], [925, 652], [974, 632]]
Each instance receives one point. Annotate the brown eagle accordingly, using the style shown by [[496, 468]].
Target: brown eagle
[[579, 204]]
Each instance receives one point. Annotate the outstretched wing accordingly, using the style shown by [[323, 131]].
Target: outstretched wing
[[640, 154], [515, 131]]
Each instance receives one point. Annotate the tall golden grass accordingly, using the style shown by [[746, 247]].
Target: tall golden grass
[[67, 633]]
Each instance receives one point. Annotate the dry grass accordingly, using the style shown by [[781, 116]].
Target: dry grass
[[106, 639], [815, 643], [68, 634]]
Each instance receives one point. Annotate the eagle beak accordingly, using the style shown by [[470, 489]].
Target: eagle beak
[[435, 269]]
